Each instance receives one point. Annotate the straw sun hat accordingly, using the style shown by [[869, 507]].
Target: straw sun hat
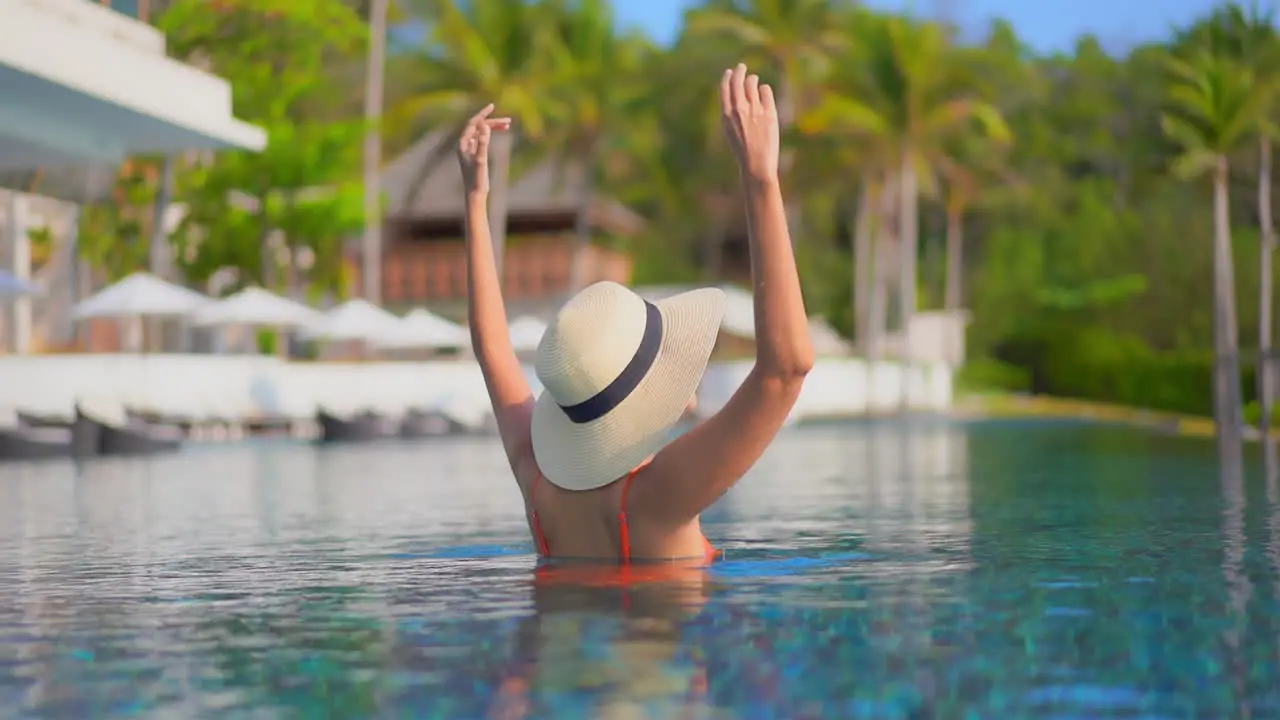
[[618, 373]]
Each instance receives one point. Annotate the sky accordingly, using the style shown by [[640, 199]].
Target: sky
[[1046, 25]]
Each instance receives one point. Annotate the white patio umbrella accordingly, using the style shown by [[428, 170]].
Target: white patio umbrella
[[258, 308], [526, 332], [425, 330], [141, 295], [137, 298], [354, 320]]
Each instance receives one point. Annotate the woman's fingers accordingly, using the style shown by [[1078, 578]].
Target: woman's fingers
[[751, 90], [736, 84], [478, 117], [476, 134], [766, 99], [468, 140], [726, 92]]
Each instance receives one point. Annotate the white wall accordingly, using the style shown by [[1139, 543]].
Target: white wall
[[937, 336], [840, 386], [240, 387]]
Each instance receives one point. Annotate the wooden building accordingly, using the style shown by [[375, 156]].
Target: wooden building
[[424, 256]]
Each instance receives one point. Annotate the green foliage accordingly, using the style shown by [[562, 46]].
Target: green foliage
[[301, 189], [1097, 364], [42, 245], [274, 52], [991, 375], [115, 237], [476, 53], [1095, 294], [303, 186]]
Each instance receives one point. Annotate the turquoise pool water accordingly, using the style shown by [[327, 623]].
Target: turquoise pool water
[[931, 569]]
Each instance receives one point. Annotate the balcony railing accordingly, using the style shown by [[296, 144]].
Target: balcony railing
[[532, 271]]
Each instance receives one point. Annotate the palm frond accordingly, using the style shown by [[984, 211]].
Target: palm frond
[[843, 114], [709, 21]]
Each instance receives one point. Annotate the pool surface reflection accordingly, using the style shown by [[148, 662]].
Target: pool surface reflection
[[875, 569]]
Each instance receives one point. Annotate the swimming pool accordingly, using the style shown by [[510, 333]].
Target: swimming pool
[[877, 569]]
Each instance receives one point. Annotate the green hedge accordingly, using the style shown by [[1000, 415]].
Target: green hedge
[[1092, 364], [988, 374], [1253, 414]]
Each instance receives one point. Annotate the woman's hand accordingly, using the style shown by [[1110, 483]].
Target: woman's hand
[[750, 123], [473, 149]]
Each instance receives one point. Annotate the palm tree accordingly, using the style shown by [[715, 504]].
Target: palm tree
[[962, 190], [1250, 37], [1260, 48], [1214, 105], [476, 53], [795, 39], [675, 167], [917, 77], [594, 91], [864, 264], [973, 173], [901, 88], [885, 252]]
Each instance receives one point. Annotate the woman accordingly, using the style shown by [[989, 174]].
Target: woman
[[591, 454]]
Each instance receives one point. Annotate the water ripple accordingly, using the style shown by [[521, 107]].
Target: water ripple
[[877, 569]]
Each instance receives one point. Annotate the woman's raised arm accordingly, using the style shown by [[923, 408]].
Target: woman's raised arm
[[508, 388], [698, 467]]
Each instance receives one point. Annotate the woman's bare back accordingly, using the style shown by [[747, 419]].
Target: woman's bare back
[[590, 525]]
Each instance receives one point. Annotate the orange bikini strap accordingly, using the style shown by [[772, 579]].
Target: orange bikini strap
[[624, 531], [537, 524]]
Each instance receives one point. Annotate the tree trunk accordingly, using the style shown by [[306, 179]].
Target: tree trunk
[[582, 227], [883, 231], [1265, 372], [863, 266], [954, 292], [266, 261], [74, 272], [159, 257], [908, 242], [280, 335], [371, 241], [291, 244], [1227, 413], [499, 187]]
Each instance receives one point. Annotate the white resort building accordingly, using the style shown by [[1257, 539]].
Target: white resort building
[[82, 87]]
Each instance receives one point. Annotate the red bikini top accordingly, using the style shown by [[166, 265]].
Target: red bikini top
[[623, 530]]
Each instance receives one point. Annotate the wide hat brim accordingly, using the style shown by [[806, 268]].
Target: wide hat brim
[[585, 456]]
